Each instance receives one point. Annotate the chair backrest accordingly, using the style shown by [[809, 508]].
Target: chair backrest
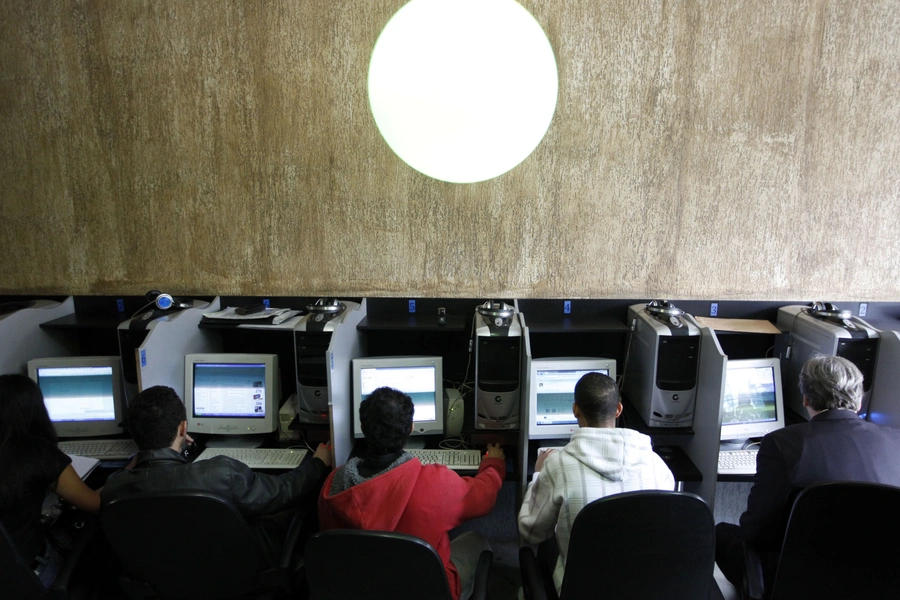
[[841, 542], [645, 544], [183, 544], [346, 564], [16, 577]]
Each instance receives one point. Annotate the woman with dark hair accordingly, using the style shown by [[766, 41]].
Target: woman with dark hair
[[31, 465]]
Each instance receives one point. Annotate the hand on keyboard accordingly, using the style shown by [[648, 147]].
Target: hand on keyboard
[[542, 456]]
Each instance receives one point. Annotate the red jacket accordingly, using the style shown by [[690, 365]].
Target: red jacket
[[424, 501]]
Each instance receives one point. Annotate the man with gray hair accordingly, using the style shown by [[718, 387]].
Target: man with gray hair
[[835, 445]]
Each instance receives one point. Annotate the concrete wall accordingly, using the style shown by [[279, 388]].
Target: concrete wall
[[700, 149]]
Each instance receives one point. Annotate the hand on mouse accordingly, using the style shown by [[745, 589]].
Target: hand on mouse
[[494, 451], [323, 453]]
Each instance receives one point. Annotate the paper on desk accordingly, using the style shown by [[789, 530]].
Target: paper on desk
[[228, 313], [739, 325], [83, 465]]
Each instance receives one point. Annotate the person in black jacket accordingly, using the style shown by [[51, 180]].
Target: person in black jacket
[[835, 445], [158, 424]]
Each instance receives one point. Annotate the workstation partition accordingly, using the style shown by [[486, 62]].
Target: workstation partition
[[22, 338], [153, 348]]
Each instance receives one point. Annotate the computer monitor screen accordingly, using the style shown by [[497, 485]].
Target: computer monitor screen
[[419, 377], [551, 385], [752, 404], [83, 394], [232, 394]]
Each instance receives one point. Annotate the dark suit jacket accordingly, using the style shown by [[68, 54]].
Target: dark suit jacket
[[835, 445]]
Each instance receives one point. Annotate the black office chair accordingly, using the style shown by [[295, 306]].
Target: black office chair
[[646, 544], [18, 580], [840, 543], [345, 564], [189, 545]]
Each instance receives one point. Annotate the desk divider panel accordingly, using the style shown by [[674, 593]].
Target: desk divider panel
[[22, 339], [703, 447], [524, 422], [346, 344], [160, 358], [884, 405]]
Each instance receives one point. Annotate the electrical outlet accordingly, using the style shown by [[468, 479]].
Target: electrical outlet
[[567, 307], [714, 309], [863, 308]]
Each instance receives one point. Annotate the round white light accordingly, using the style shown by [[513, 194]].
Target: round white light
[[463, 90]]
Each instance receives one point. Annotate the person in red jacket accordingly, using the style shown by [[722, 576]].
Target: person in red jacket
[[387, 489]]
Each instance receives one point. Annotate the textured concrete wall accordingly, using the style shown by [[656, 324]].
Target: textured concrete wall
[[700, 149]]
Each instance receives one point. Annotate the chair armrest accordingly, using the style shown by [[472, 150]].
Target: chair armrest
[[534, 585], [482, 575], [753, 586]]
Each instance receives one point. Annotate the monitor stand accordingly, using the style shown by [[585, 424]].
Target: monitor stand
[[415, 442], [235, 441]]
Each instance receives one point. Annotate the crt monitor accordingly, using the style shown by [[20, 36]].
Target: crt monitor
[[83, 394], [752, 404], [419, 377], [234, 395], [551, 385]]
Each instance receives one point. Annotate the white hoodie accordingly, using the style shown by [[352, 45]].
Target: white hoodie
[[597, 462]]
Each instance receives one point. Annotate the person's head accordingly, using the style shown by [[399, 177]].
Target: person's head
[[597, 400], [155, 417], [386, 417], [831, 382], [23, 413]]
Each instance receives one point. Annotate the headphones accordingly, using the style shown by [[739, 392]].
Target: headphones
[[167, 301], [665, 311], [825, 310], [325, 309], [497, 312]]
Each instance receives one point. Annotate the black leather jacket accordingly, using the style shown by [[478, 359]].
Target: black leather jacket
[[254, 494]]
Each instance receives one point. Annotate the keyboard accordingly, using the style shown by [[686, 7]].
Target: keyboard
[[100, 449], [259, 458], [737, 462], [458, 460]]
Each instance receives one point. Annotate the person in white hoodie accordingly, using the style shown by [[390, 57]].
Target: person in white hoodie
[[599, 460]]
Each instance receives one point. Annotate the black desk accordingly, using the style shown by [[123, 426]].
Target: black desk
[[682, 467]]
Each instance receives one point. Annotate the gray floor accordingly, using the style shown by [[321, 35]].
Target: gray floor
[[731, 500], [500, 528]]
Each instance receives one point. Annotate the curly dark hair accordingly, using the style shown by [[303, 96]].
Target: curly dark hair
[[386, 417], [154, 416]]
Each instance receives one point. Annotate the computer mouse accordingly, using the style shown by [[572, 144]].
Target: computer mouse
[[665, 452]]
